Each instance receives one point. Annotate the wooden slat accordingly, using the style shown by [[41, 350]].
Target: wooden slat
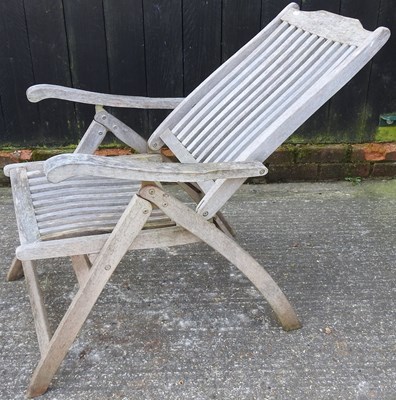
[[37, 303], [41, 92], [279, 99], [59, 193], [183, 129], [122, 131], [155, 141], [24, 209], [29, 233], [182, 154], [81, 265], [147, 239], [92, 138], [64, 166], [247, 99], [307, 103]]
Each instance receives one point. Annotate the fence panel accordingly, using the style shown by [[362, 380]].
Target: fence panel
[[126, 57], [50, 60], [162, 48], [21, 119]]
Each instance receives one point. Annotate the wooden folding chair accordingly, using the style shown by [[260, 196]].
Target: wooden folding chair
[[72, 206]]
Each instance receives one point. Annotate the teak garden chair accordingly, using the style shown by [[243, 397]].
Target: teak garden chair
[[72, 206]]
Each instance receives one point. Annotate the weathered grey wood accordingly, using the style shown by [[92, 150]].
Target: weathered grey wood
[[15, 271], [122, 131], [29, 233], [226, 246], [39, 311], [92, 138], [128, 227], [81, 265], [332, 26], [66, 166], [221, 222], [72, 205], [29, 166], [314, 97], [37, 93], [24, 210], [182, 154], [147, 239], [204, 88], [255, 101]]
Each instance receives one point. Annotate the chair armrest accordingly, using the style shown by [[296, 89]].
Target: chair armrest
[[37, 93], [65, 166], [38, 166]]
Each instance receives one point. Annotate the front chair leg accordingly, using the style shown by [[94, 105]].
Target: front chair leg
[[125, 232], [226, 246]]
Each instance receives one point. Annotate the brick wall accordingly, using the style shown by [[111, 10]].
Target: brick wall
[[291, 162]]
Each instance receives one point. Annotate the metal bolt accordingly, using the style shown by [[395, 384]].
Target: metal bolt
[[166, 195], [155, 145], [152, 192], [104, 117], [107, 267], [115, 127], [145, 211], [100, 133], [262, 172], [205, 214], [165, 204]]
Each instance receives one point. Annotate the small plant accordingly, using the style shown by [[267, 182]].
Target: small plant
[[355, 180]]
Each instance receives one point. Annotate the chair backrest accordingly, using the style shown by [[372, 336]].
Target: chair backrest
[[261, 95]]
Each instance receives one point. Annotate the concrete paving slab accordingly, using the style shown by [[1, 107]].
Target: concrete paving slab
[[182, 323]]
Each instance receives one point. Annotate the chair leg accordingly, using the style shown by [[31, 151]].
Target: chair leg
[[81, 266], [226, 246], [15, 271], [125, 232], [37, 302]]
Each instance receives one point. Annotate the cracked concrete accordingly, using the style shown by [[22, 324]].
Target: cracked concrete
[[182, 323]]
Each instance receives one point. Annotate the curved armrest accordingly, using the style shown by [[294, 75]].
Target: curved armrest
[[65, 166], [37, 93]]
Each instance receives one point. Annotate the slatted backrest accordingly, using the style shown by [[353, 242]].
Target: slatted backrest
[[259, 97]]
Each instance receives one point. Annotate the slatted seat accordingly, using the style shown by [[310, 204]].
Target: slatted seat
[[83, 206], [94, 209]]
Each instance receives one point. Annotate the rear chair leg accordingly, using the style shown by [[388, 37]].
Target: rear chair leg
[[226, 246], [125, 232], [16, 271]]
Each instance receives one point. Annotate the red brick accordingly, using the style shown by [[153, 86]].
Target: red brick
[[374, 152], [113, 152], [386, 170]]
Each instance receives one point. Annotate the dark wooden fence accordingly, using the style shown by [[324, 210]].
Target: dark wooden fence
[[161, 48]]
